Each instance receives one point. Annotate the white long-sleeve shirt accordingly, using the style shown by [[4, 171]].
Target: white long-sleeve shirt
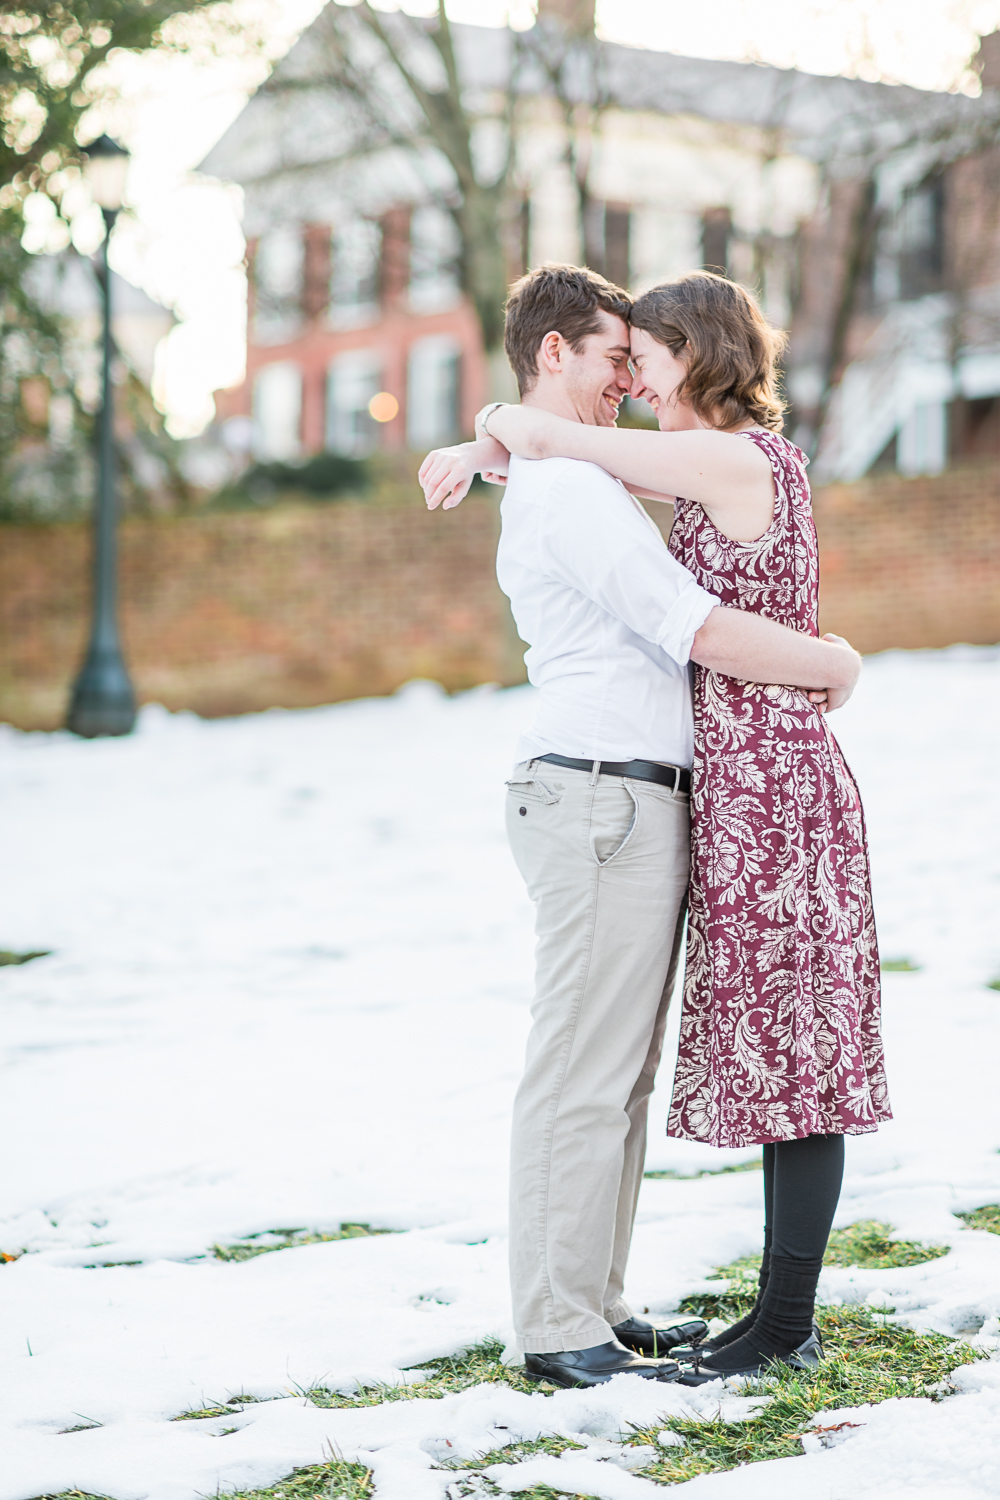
[[608, 614]]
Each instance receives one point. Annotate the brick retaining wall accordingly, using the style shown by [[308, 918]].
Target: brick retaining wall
[[912, 562], [305, 604], [233, 612]]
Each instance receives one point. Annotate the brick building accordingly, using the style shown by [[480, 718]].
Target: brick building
[[866, 215]]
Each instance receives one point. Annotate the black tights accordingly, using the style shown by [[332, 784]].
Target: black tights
[[802, 1181]]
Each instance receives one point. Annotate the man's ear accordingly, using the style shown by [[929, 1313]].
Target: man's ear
[[552, 352]]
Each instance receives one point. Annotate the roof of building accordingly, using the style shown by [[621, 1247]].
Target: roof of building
[[824, 118]]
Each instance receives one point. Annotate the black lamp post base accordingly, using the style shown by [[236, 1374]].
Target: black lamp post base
[[103, 701]]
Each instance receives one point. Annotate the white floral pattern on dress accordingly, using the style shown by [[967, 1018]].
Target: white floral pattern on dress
[[780, 1033]]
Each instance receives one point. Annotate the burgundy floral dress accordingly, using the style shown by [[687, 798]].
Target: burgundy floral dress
[[780, 1028]]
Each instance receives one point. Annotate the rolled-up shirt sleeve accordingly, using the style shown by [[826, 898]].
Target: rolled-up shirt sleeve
[[614, 555]]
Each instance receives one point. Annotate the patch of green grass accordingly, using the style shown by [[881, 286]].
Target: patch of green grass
[[479, 1365], [7, 957], [731, 1301], [516, 1453], [987, 1217], [868, 1244], [289, 1239], [336, 1480], [222, 1409], [756, 1165], [899, 966], [71, 1495]]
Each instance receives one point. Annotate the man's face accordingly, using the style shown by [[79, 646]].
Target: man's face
[[597, 374]]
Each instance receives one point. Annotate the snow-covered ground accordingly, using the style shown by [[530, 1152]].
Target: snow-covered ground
[[289, 988]]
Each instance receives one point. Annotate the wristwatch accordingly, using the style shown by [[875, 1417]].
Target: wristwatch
[[486, 413]]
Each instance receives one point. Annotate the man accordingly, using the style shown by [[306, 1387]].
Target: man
[[597, 816]]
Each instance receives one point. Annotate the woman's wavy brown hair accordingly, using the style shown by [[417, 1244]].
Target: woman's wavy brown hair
[[729, 348]]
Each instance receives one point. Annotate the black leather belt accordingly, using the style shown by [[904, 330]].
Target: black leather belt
[[674, 777]]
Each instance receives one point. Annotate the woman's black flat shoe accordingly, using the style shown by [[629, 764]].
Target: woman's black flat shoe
[[806, 1358], [704, 1347]]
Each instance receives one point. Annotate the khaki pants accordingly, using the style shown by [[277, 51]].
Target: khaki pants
[[606, 864]]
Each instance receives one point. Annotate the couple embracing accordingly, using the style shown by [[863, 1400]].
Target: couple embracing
[[666, 771]]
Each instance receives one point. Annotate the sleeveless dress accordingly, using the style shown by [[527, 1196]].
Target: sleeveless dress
[[780, 1029]]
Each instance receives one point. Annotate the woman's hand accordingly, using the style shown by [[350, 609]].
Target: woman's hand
[[524, 430], [446, 473], [836, 697]]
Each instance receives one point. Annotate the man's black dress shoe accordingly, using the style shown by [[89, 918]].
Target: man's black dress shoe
[[805, 1358], [655, 1340], [597, 1365]]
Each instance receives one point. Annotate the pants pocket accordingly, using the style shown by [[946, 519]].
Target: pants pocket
[[613, 818], [532, 789]]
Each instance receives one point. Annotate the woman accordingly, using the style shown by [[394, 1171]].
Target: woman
[[779, 1041]]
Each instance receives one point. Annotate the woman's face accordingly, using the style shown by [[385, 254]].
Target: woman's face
[[658, 373]]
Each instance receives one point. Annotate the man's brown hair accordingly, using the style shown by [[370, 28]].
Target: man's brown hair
[[559, 299], [730, 349]]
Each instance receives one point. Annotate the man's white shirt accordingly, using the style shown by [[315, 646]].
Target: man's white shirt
[[609, 615]]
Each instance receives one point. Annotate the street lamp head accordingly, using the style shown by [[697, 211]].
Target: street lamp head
[[106, 169]]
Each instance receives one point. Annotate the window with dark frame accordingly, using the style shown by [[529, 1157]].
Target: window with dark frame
[[617, 242], [607, 239], [920, 230], [716, 232]]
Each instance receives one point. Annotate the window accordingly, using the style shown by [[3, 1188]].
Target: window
[[716, 231], [617, 236], [920, 227], [607, 236], [355, 248], [352, 382], [432, 397], [434, 256], [277, 411], [277, 272]]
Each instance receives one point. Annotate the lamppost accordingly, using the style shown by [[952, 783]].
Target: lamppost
[[103, 700]]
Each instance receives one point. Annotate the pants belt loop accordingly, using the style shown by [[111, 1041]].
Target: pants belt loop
[[595, 773]]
